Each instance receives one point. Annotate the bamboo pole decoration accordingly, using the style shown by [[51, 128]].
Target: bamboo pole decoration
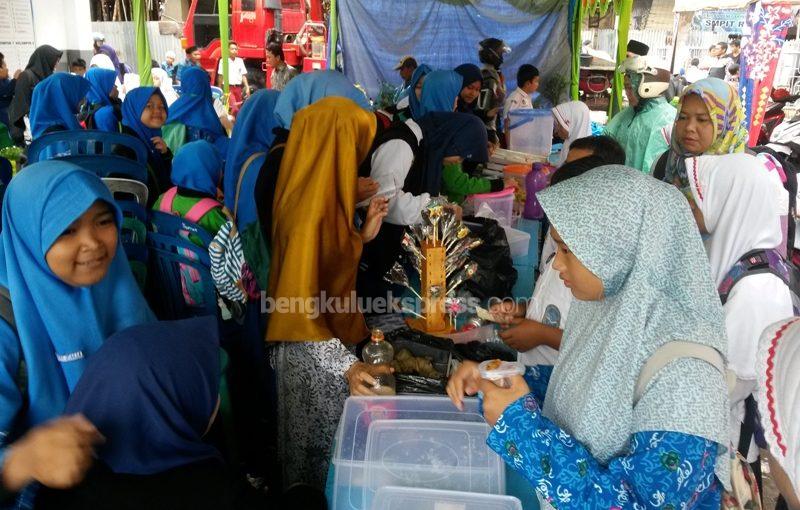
[[623, 25], [224, 39], [143, 59]]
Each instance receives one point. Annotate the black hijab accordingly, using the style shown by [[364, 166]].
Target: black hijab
[[40, 66]]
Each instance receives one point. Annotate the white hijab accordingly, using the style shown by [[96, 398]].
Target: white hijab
[[736, 198], [574, 117], [778, 370], [102, 61], [165, 85]]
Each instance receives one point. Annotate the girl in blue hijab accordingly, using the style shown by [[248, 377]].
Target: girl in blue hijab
[[103, 109], [196, 174], [439, 93], [144, 112], [153, 392], [69, 283], [55, 103], [308, 88], [252, 133], [192, 117], [155, 407]]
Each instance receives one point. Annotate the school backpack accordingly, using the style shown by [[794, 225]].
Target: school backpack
[[231, 274], [744, 493], [790, 166], [763, 261], [238, 256], [190, 277]]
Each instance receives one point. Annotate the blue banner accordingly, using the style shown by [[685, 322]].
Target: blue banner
[[374, 34]]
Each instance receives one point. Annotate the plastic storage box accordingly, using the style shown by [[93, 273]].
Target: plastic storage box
[[432, 454], [531, 131], [500, 202], [400, 441], [403, 498]]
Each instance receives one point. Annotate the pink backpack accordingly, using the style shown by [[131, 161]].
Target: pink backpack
[[190, 278]]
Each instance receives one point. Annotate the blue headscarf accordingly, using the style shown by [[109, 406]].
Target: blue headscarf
[[195, 106], [198, 167], [101, 83], [132, 108], [59, 326], [419, 73], [55, 102], [151, 391], [106, 120], [439, 93], [308, 88], [450, 134], [252, 133]]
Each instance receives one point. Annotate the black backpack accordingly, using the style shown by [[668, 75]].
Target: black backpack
[[791, 166]]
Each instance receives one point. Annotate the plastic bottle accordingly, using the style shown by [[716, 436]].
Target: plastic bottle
[[380, 352], [537, 180]]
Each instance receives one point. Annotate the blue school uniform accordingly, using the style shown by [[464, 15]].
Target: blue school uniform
[[58, 327]]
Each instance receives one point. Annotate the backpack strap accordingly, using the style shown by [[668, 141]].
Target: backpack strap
[[200, 209], [660, 170], [754, 262], [168, 199], [242, 173], [674, 350]]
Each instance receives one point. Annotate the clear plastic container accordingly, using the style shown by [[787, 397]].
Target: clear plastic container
[[433, 455], [501, 203], [403, 498], [518, 241], [531, 131], [351, 462], [500, 372]]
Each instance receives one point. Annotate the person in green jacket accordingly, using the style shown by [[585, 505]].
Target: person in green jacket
[[450, 139], [197, 175], [640, 127]]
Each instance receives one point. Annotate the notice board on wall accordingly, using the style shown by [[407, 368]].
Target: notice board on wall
[[17, 40]]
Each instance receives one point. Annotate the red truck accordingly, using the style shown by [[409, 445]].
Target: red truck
[[254, 23]]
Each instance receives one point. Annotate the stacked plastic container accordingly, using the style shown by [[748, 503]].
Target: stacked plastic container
[[415, 449]]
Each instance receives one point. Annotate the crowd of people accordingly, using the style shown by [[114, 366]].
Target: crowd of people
[[668, 243]]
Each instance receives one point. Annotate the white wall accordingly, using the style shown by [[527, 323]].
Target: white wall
[[65, 24]]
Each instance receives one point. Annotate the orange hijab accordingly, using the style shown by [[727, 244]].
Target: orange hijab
[[315, 245]]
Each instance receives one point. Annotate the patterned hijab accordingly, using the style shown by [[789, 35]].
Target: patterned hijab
[[725, 110], [639, 237]]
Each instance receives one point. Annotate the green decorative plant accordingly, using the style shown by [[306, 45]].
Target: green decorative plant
[[12, 153], [552, 90]]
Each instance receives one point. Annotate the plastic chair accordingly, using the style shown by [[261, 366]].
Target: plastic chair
[[134, 222], [94, 151], [122, 189]]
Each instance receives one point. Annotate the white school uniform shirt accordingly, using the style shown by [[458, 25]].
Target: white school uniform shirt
[[517, 100], [736, 196], [549, 305], [390, 165], [236, 69]]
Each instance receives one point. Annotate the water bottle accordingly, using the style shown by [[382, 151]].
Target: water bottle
[[380, 352]]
